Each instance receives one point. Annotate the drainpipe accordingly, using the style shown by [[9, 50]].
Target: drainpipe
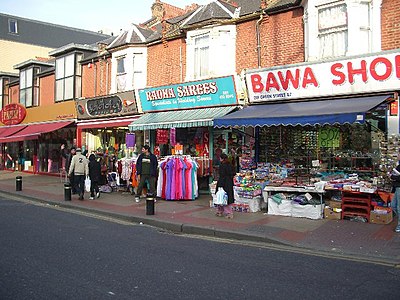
[[107, 66], [259, 39], [180, 63], [95, 77]]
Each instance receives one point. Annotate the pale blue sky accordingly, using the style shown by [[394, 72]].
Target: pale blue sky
[[88, 14]]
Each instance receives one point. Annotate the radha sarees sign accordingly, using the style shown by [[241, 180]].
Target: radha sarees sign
[[197, 94]]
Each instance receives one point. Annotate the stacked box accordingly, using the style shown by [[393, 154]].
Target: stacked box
[[334, 204], [332, 213], [241, 207], [381, 215]]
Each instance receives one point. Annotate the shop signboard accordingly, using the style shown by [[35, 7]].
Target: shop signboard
[[394, 108], [12, 114], [196, 94], [119, 104], [366, 74]]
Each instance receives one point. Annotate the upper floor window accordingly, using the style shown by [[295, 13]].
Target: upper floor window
[[332, 30], [4, 91], [338, 28], [139, 65], [201, 56], [129, 69], [121, 74], [211, 52], [12, 26], [29, 87], [68, 77]]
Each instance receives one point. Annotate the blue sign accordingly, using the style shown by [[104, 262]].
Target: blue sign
[[195, 94]]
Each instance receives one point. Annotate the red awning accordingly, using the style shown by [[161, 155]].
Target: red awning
[[106, 123], [10, 130], [33, 131]]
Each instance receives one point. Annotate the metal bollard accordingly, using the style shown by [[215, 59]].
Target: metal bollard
[[149, 205], [67, 191], [18, 183]]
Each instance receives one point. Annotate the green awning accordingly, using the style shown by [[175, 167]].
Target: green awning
[[201, 117]]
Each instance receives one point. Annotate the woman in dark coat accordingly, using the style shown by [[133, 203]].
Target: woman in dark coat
[[94, 175], [226, 174]]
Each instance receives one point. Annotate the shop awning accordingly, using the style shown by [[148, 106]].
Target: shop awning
[[106, 123], [201, 117], [33, 131], [7, 131], [341, 111]]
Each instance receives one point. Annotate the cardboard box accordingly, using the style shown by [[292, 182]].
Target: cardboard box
[[379, 218], [331, 215], [334, 204]]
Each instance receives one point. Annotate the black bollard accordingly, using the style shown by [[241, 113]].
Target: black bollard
[[149, 205], [18, 183], [67, 191]]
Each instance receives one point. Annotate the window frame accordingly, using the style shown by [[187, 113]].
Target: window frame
[[120, 76], [138, 60], [363, 29], [4, 91], [29, 86], [201, 57], [12, 26], [68, 77], [217, 46]]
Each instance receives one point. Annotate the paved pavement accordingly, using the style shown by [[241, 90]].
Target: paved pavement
[[343, 238]]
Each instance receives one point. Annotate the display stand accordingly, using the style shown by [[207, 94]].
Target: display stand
[[356, 204]]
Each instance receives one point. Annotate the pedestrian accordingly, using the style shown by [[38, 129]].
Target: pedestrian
[[225, 180], [94, 175], [146, 170], [395, 177], [79, 167], [68, 159]]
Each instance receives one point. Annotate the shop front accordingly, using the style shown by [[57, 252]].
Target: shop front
[[178, 124], [102, 126], [31, 138], [332, 122]]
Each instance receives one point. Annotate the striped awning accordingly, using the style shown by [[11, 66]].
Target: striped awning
[[201, 117]]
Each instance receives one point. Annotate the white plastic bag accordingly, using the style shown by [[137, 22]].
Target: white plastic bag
[[87, 184], [221, 197]]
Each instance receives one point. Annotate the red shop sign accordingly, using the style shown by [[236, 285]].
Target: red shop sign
[[12, 114], [394, 108]]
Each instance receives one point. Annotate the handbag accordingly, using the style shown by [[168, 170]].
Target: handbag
[[87, 184]]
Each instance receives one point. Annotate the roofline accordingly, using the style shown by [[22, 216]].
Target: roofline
[[96, 58], [32, 62], [8, 74], [55, 25], [283, 8], [73, 46]]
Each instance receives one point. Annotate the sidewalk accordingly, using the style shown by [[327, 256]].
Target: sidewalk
[[378, 243]]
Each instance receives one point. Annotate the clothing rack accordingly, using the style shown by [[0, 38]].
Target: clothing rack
[[177, 178]]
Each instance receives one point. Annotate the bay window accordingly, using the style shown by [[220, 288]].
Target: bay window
[[29, 87], [68, 77]]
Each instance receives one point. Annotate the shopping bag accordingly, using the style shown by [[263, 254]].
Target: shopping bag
[[221, 197], [87, 184]]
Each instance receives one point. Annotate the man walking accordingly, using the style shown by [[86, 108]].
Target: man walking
[[146, 170], [79, 167], [68, 159]]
